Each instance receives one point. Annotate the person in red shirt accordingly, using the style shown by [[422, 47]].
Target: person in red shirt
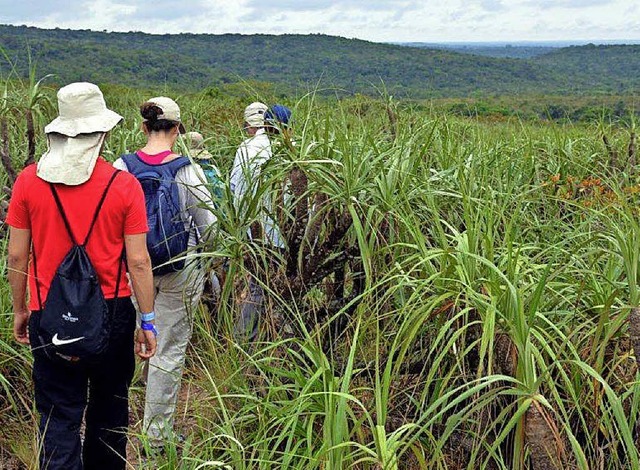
[[65, 387]]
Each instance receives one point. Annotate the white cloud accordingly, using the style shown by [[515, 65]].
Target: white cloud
[[378, 20]]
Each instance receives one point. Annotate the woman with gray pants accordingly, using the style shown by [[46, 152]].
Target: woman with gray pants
[[178, 291]]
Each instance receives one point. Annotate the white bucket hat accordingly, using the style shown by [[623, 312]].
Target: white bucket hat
[[75, 137], [254, 114], [82, 110], [195, 143]]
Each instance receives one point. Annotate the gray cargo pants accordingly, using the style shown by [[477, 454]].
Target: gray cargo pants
[[177, 296]]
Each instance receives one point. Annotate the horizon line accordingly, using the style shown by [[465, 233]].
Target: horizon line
[[456, 42]]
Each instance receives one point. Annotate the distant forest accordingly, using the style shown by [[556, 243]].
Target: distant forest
[[296, 64], [502, 51]]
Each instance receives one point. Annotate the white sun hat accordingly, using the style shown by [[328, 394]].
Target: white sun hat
[[75, 137], [254, 114], [82, 110]]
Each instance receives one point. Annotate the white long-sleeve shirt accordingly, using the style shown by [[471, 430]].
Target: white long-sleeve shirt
[[251, 156]]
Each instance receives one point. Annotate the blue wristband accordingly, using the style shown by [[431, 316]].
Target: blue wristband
[[148, 316], [147, 326]]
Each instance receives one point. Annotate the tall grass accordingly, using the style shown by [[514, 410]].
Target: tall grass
[[486, 279]]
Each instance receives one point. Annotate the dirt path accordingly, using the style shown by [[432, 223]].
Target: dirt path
[[185, 422]]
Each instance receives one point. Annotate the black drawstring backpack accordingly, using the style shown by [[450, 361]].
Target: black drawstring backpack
[[75, 322]]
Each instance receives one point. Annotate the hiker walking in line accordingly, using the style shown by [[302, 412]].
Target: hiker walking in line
[[177, 202], [75, 215], [252, 155], [195, 146], [277, 120]]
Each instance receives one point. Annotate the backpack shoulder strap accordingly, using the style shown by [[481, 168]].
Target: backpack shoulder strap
[[176, 164], [102, 198], [133, 163], [137, 166], [62, 213], [68, 227]]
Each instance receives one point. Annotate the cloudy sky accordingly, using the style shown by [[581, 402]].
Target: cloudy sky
[[376, 20]]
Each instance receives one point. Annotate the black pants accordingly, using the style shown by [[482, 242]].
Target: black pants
[[63, 390]]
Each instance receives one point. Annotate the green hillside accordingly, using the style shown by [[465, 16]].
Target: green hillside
[[610, 68], [296, 63]]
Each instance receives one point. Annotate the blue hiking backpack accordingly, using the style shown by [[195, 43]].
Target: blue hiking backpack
[[167, 237]]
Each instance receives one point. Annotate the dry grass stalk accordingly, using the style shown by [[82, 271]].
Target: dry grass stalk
[[330, 244], [31, 139], [505, 355], [5, 157], [545, 444], [315, 224], [634, 332], [299, 184], [393, 121], [613, 155]]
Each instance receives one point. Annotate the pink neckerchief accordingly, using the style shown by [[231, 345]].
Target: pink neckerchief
[[153, 159]]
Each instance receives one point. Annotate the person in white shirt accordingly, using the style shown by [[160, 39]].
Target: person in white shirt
[[246, 177]]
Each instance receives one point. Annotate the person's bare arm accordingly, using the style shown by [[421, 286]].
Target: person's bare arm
[[18, 262], [139, 264]]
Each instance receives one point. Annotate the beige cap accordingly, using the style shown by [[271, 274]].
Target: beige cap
[[254, 114], [170, 110]]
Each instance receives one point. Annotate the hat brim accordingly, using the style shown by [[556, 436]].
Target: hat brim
[[102, 122], [200, 154]]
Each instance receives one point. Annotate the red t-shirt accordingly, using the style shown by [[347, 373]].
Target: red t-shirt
[[32, 207]]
